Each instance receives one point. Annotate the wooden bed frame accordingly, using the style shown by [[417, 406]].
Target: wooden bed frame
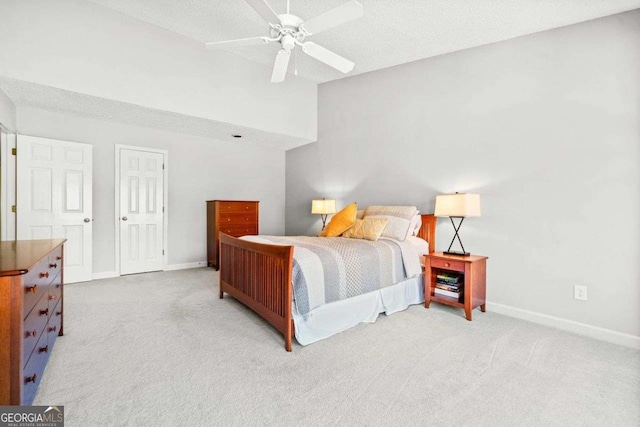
[[259, 276]]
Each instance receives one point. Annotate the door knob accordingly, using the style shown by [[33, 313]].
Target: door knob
[[124, 218], [87, 220]]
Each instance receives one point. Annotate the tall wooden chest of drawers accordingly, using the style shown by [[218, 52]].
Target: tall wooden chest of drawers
[[233, 217], [31, 293]]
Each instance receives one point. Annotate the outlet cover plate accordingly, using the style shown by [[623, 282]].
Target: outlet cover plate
[[580, 292]]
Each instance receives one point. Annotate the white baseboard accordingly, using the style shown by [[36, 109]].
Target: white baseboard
[[596, 332], [185, 266], [104, 275]]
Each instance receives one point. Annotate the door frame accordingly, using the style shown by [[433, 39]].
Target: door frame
[[165, 204]]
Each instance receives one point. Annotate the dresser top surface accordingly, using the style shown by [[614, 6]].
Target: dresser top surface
[[17, 257], [234, 201]]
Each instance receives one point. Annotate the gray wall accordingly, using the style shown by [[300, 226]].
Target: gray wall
[[546, 128], [199, 170]]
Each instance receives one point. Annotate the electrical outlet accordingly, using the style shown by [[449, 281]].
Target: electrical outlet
[[580, 292]]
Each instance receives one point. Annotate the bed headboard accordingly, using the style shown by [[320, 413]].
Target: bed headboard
[[428, 231]]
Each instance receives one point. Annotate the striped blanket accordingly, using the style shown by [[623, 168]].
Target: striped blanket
[[326, 270]]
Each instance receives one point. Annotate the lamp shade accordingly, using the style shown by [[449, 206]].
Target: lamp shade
[[323, 207], [458, 205]]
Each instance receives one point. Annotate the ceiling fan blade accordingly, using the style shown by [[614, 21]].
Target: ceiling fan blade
[[280, 66], [336, 16], [235, 43], [264, 10], [330, 58]]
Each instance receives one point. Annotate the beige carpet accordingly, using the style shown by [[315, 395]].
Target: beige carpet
[[161, 349]]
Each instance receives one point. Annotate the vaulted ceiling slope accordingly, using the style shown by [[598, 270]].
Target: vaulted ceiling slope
[[390, 33], [144, 60]]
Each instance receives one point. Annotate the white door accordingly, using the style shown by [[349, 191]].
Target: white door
[[141, 211], [54, 199]]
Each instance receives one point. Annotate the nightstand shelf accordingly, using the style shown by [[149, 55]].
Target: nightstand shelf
[[472, 272]]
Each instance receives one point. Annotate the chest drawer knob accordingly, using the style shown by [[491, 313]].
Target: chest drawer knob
[[45, 274], [446, 264], [31, 379], [52, 297], [59, 258], [55, 265], [53, 328], [32, 289], [58, 313], [31, 333], [44, 349], [44, 312]]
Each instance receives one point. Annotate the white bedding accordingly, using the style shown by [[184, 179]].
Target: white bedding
[[334, 317]]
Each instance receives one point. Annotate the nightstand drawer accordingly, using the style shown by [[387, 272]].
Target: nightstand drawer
[[447, 264]]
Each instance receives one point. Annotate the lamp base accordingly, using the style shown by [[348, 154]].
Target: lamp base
[[456, 253]]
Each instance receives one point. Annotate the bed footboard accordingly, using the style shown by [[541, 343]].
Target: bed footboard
[[259, 276]]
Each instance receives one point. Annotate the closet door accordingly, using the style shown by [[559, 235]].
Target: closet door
[[54, 199]]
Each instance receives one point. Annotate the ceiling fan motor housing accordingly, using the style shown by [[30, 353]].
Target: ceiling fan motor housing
[[289, 30]]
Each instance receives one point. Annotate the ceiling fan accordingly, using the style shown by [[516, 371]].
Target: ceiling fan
[[290, 31]]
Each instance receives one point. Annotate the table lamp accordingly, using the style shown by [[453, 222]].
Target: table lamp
[[458, 205], [323, 208]]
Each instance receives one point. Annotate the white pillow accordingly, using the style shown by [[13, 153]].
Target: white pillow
[[416, 224], [398, 219]]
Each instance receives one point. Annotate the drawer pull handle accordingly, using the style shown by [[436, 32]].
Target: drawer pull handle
[[44, 312], [446, 264], [59, 258], [58, 313], [53, 265], [32, 289], [31, 333], [52, 297], [45, 274], [53, 328], [44, 349], [31, 379]]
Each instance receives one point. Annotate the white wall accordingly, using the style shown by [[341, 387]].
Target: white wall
[[546, 128], [7, 112], [199, 169], [82, 47]]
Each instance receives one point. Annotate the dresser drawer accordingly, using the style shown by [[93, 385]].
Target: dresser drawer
[[32, 373], [34, 326], [54, 325], [447, 264], [239, 230], [237, 207], [55, 262], [35, 284], [55, 293], [238, 218]]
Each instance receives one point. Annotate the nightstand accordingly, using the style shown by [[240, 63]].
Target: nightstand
[[469, 272]]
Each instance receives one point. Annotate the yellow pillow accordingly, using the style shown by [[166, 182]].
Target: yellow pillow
[[341, 221], [368, 229]]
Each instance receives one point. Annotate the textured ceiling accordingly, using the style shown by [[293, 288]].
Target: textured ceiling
[[57, 100], [390, 33]]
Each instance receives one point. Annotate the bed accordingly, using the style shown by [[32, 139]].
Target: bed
[[260, 275]]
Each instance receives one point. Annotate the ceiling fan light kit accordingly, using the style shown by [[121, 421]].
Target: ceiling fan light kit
[[290, 31]]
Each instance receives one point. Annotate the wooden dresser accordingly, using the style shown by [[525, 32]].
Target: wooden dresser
[[31, 291], [233, 217]]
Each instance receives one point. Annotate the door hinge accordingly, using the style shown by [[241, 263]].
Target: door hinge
[[163, 252], [14, 152], [163, 209], [163, 166], [13, 208]]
